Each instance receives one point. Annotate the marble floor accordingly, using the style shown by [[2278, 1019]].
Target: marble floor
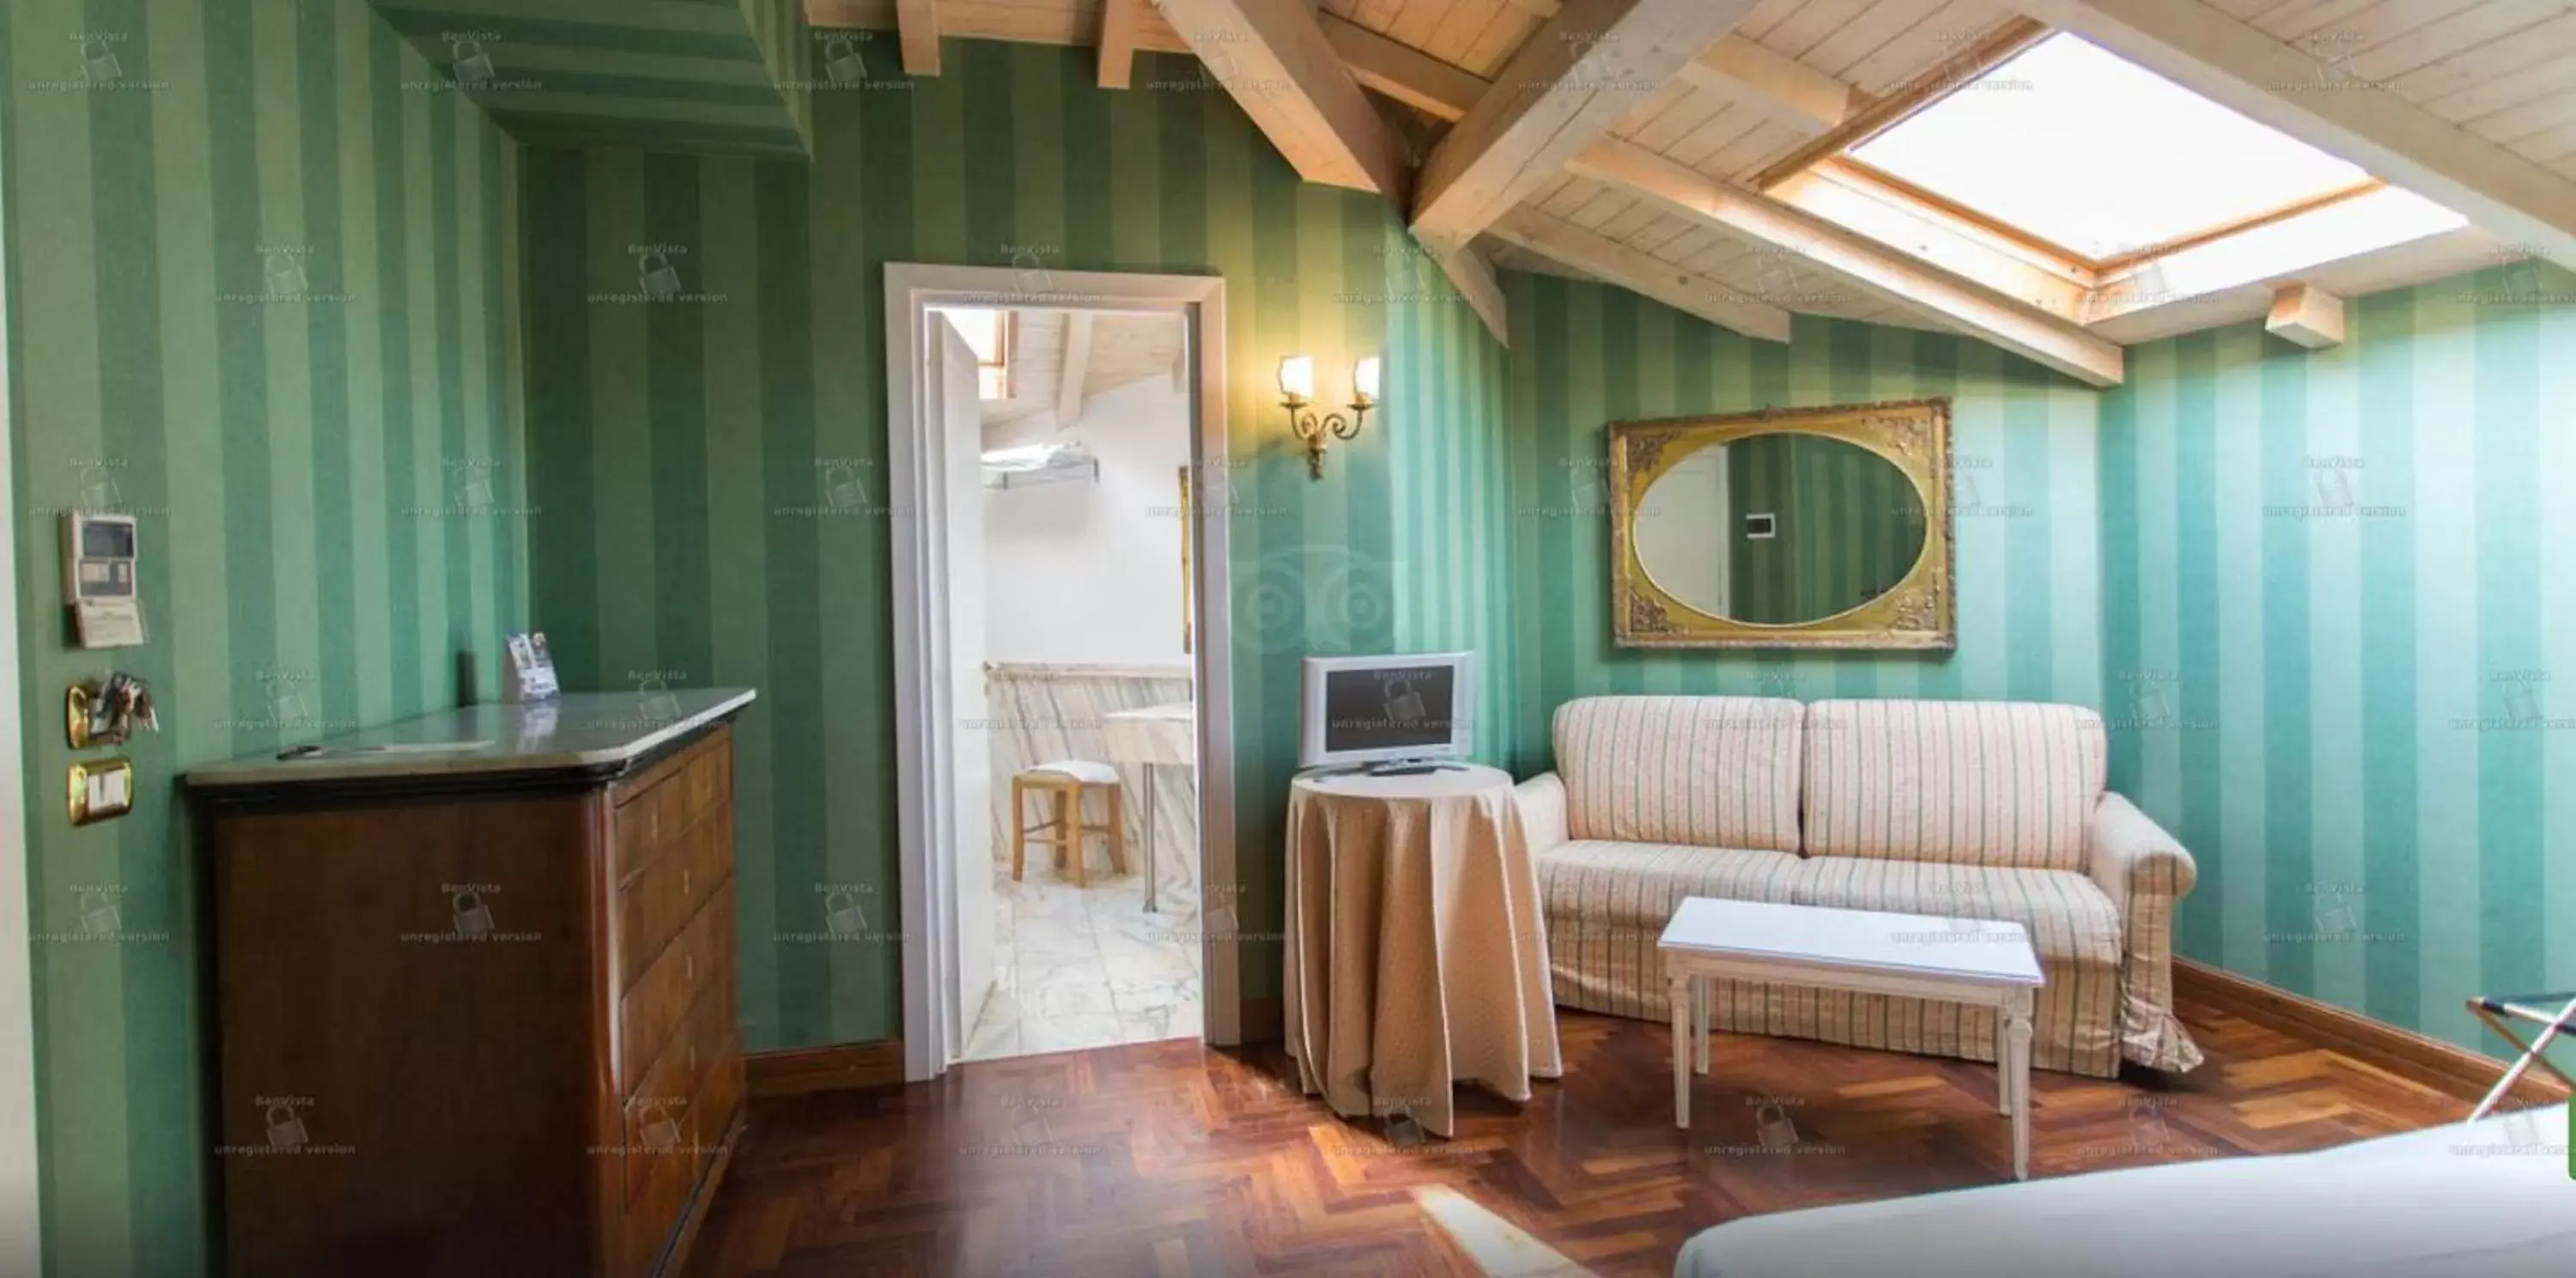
[[1087, 967]]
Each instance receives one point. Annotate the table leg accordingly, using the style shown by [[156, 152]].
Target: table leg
[[1681, 991], [2019, 1033], [2003, 1060], [1699, 1020], [1150, 823]]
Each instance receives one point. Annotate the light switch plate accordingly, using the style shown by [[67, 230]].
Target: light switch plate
[[99, 790]]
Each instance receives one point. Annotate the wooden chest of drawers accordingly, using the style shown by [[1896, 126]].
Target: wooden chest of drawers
[[478, 1027]]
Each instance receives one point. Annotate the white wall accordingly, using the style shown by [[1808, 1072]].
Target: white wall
[[1082, 573]]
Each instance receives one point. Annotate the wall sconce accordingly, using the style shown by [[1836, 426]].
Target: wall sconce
[[1297, 389]]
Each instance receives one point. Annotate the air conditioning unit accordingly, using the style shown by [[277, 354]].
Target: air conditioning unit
[[1008, 468]]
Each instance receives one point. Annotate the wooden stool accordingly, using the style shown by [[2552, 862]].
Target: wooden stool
[[1065, 781]]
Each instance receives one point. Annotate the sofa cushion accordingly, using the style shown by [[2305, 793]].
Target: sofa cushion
[[1714, 772], [1996, 783], [2069, 917], [1641, 884]]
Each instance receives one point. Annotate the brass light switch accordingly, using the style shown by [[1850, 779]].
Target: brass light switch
[[100, 789]]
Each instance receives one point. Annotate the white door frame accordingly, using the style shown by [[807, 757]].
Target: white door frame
[[924, 727], [20, 1222]]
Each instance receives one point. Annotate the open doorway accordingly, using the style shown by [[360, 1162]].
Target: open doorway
[[1061, 662], [1080, 577]]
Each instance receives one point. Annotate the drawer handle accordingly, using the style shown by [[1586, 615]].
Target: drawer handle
[[684, 881], [689, 967]]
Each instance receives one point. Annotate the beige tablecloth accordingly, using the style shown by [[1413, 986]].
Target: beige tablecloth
[[1416, 950]]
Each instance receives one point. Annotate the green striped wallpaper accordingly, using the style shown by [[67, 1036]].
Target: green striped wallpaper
[[721, 75], [259, 294], [2023, 443], [2339, 596], [710, 460]]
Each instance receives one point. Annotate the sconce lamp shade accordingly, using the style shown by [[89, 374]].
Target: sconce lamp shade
[[1297, 378], [1364, 379]]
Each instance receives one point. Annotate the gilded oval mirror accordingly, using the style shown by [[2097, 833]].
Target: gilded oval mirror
[[1785, 528]]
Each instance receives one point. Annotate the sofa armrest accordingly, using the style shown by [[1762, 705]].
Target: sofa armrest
[[2133, 856], [2144, 872], [1541, 800]]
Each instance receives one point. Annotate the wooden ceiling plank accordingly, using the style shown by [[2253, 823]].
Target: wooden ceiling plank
[[1503, 36], [1564, 89], [1767, 17], [1727, 128], [1751, 153], [1811, 23], [1273, 59], [2515, 125], [2446, 38], [1683, 117], [1616, 263], [1947, 39], [1866, 34], [2304, 18], [2542, 83], [1414, 21], [1884, 272], [1607, 202], [1458, 29], [917, 27], [1118, 23], [2548, 148], [2391, 19], [2230, 63]]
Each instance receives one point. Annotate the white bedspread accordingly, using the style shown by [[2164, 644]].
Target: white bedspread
[[2462, 1201]]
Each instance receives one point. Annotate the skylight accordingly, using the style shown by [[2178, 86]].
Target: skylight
[[2073, 146]]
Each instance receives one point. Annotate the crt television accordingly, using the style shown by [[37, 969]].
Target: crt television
[[1378, 709]]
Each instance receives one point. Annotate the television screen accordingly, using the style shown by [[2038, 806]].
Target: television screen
[[1389, 707]]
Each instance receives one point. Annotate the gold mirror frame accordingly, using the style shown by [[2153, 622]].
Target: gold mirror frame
[[1915, 614]]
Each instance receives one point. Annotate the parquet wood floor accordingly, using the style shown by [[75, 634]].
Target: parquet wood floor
[[1175, 1159]]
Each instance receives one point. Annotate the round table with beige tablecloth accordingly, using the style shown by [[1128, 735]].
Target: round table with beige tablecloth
[[1416, 952]]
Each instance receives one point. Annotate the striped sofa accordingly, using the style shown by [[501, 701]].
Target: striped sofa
[[1967, 809]]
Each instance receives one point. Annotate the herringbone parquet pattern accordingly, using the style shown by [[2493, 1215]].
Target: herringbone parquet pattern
[[1171, 1159]]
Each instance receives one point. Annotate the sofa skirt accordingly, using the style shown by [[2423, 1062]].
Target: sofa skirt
[[1619, 971]]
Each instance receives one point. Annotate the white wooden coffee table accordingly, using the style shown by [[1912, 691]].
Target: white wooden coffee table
[[1980, 962]]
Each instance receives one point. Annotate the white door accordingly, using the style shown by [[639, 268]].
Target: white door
[[959, 416]]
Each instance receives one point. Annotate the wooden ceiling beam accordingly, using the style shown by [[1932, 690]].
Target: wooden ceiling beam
[[1571, 80], [1883, 272], [1073, 369], [1118, 22], [1850, 199], [1611, 262], [2288, 88], [2309, 317], [917, 27], [1402, 72], [1783, 88], [1473, 277], [1272, 58]]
